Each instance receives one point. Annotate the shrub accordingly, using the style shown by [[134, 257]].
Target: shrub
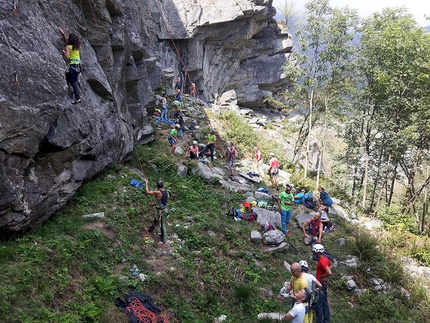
[[392, 216]]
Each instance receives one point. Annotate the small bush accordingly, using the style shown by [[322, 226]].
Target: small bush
[[392, 216]]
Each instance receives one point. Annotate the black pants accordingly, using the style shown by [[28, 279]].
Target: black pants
[[72, 79], [208, 147]]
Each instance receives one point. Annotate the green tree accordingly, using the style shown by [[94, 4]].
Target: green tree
[[389, 126], [322, 68]]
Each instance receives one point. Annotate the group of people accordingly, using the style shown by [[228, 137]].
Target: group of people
[[315, 227], [300, 286]]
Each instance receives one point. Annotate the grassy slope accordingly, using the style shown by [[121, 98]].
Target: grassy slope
[[70, 269]]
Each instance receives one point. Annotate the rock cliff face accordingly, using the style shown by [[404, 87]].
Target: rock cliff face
[[49, 147]]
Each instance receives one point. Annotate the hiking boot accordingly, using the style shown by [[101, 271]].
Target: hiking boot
[[77, 101], [151, 228]]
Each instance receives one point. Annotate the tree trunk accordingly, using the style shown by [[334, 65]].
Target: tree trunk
[[393, 180], [366, 166], [309, 134], [321, 152]]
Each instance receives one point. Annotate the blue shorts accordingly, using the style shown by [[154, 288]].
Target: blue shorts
[[171, 140]]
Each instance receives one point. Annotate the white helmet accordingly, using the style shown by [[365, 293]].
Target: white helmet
[[318, 248], [271, 154], [303, 263], [194, 142], [177, 125]]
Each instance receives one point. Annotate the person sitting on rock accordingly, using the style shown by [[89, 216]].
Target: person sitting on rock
[[247, 213], [327, 224], [193, 151], [325, 198], [299, 198], [313, 229]]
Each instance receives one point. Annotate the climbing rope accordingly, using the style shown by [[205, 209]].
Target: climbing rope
[[137, 309]]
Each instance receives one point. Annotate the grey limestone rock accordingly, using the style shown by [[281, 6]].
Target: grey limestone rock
[[49, 147]]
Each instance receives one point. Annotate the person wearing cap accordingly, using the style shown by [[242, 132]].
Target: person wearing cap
[[193, 151], [173, 139], [313, 229], [273, 170], [285, 201], [312, 280], [210, 146], [247, 213], [323, 273]]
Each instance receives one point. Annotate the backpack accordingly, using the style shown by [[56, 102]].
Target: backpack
[[310, 202], [232, 212], [327, 254]]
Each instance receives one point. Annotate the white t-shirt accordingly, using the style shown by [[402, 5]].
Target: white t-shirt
[[324, 215], [298, 313], [310, 278]]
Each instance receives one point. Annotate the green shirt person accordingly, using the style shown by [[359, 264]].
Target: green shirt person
[[285, 201], [173, 139]]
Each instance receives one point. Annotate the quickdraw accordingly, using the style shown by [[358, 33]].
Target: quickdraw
[[16, 73]]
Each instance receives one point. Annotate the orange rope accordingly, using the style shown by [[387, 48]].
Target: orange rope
[[136, 308]]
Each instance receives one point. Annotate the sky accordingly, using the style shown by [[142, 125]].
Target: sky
[[367, 7]]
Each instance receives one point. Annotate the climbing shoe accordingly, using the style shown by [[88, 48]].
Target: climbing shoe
[[77, 101]]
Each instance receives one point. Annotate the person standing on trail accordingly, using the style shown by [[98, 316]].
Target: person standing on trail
[[178, 84], [285, 201], [323, 273], [164, 111], [161, 197], [210, 146], [309, 317], [173, 139], [273, 170], [297, 313], [72, 54], [297, 281], [230, 155], [258, 162], [179, 117], [176, 105]]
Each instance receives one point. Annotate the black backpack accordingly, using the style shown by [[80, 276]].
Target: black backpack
[[327, 254], [232, 212], [310, 202]]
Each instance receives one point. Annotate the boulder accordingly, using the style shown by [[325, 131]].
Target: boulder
[[265, 216]]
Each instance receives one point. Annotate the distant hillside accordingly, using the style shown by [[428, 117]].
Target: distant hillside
[[427, 28]]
